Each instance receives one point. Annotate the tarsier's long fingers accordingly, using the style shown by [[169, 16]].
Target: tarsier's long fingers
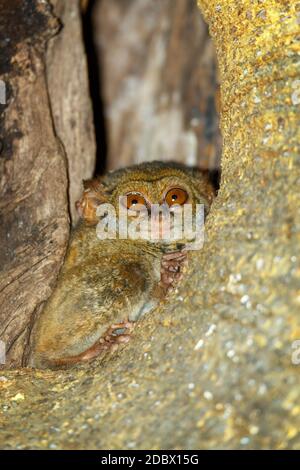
[[175, 255], [172, 266]]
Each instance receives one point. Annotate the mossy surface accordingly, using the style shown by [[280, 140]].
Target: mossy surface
[[213, 368]]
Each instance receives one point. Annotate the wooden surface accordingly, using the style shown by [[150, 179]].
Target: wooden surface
[[34, 167], [70, 100], [215, 368]]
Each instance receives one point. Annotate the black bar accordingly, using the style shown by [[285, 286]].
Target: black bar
[[136, 458]]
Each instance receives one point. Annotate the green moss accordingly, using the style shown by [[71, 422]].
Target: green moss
[[214, 367]]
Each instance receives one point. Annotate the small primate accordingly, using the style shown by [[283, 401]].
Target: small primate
[[106, 285]]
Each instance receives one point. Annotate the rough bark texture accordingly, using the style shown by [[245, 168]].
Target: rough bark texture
[[33, 166], [159, 103], [212, 369], [34, 218], [69, 96]]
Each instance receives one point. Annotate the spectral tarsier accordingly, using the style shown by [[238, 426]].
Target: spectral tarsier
[[106, 285]]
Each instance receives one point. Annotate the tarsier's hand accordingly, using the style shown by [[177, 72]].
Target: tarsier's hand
[[172, 269]]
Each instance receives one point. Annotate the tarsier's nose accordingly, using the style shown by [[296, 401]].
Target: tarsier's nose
[[159, 210]]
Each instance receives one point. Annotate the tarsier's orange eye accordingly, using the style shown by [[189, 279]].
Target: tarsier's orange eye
[[134, 199], [176, 196]]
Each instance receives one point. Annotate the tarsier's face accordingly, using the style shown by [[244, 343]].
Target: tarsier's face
[[154, 204], [157, 199]]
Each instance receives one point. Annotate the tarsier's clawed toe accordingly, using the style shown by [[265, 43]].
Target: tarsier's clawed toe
[[172, 267], [115, 335]]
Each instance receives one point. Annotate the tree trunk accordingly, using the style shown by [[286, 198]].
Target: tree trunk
[[34, 167], [214, 368], [159, 103], [71, 106]]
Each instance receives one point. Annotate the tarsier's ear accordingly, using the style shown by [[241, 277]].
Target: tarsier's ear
[[93, 195]]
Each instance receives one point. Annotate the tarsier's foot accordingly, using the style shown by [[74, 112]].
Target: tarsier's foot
[[172, 266], [115, 335]]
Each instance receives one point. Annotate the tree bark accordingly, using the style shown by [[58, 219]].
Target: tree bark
[[214, 368], [33, 163], [159, 103], [67, 78]]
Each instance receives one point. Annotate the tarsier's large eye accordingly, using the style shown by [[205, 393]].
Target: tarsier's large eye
[[134, 199], [176, 196]]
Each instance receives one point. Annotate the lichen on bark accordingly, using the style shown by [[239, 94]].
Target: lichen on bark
[[213, 369]]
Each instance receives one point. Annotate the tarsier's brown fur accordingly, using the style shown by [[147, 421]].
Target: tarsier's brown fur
[[106, 285]]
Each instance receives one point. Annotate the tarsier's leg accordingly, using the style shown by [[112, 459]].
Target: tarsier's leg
[[116, 334], [172, 266]]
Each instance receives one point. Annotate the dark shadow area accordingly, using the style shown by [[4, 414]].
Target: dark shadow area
[[215, 178], [95, 86]]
